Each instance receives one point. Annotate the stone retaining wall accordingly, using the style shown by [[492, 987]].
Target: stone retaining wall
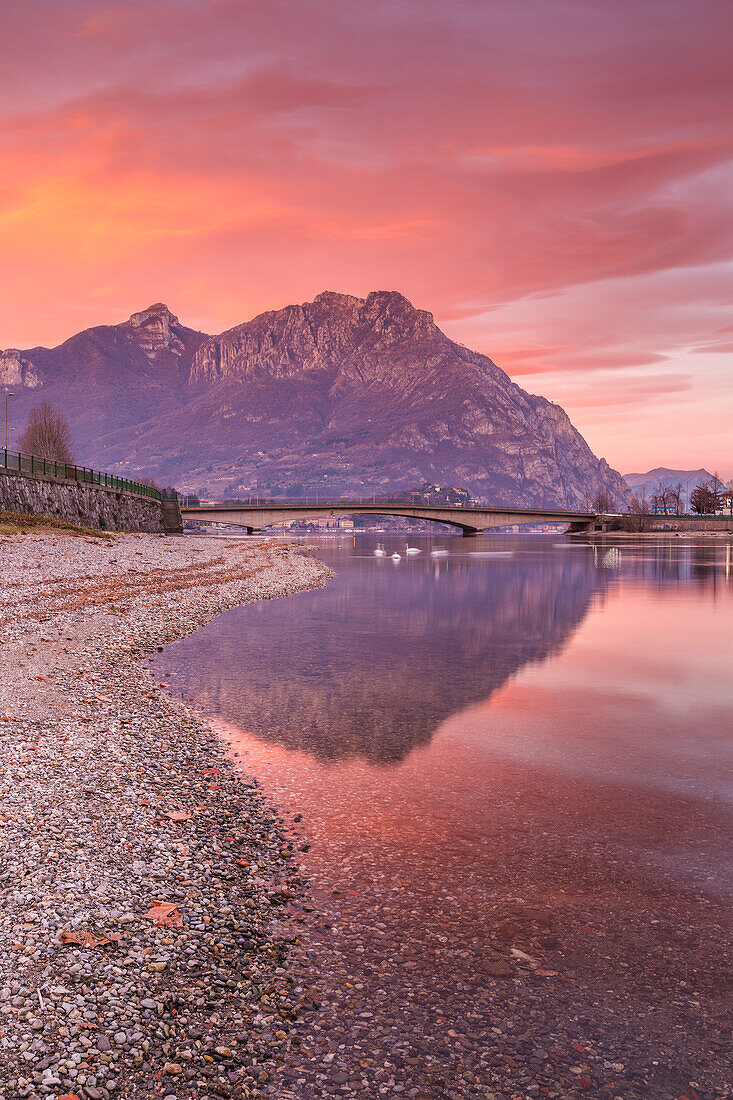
[[690, 523], [87, 505]]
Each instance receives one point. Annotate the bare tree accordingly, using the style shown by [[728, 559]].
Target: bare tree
[[678, 496], [636, 519], [47, 434], [602, 501], [599, 500], [663, 498], [668, 498]]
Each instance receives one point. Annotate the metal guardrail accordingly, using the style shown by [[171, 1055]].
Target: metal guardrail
[[34, 464], [283, 503]]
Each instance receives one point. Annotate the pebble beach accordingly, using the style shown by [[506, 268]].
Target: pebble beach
[[171, 928], [141, 950]]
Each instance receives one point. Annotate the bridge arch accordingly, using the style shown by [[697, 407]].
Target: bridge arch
[[205, 515], [468, 520]]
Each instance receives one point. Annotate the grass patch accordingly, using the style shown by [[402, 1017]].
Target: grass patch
[[20, 523]]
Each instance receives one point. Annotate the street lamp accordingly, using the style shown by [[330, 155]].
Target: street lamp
[[7, 395]]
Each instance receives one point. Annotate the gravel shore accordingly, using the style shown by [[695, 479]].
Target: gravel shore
[[141, 879]]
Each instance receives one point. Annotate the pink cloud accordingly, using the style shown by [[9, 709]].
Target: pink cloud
[[638, 391], [540, 360]]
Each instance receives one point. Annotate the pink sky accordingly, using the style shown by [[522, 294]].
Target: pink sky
[[552, 180]]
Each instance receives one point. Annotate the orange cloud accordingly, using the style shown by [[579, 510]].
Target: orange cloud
[[554, 183]]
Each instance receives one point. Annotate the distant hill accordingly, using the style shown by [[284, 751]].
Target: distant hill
[[341, 396], [645, 484]]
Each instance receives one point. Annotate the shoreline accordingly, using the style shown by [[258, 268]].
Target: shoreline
[[676, 534], [142, 876]]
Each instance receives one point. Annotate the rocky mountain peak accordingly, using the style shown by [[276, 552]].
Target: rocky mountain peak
[[333, 300], [395, 316], [156, 329], [394, 304], [385, 308], [157, 313], [334, 332]]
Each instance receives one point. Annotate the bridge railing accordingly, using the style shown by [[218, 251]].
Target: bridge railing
[[85, 475], [355, 505]]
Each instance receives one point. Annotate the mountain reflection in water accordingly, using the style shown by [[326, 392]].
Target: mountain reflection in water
[[371, 666], [495, 759]]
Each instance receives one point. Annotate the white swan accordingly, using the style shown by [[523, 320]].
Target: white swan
[[380, 552], [439, 553], [412, 549], [396, 556]]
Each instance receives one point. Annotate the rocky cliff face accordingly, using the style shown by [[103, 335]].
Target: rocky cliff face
[[156, 330], [17, 370], [342, 395]]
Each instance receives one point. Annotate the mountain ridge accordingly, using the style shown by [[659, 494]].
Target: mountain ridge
[[343, 395], [647, 482]]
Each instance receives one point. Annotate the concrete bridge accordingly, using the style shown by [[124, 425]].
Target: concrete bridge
[[470, 521]]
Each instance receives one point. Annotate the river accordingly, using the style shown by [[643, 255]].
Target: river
[[514, 766]]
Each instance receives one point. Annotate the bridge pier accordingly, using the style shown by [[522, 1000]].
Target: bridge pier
[[471, 532], [600, 525]]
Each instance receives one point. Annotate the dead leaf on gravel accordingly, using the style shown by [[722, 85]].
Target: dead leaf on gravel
[[165, 913], [177, 815], [86, 937], [523, 957]]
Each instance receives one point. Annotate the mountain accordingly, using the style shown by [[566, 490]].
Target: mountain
[[111, 378], [341, 396], [645, 484]]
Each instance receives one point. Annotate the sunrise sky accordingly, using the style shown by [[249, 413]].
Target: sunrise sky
[[552, 180]]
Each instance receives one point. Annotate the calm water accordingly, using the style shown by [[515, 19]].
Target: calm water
[[526, 722]]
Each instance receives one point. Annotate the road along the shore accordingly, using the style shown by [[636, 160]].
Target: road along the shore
[[140, 953]]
